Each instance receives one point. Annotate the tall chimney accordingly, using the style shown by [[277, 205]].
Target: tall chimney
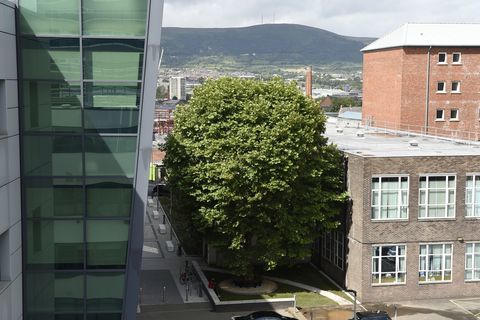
[[308, 82]]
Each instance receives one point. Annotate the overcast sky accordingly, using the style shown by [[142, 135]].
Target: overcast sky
[[372, 18]]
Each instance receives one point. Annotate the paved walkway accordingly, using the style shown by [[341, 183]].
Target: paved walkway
[[162, 268]]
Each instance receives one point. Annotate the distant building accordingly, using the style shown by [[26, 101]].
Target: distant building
[[177, 90], [424, 78], [164, 112]]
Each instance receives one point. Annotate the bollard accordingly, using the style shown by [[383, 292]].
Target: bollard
[[186, 292], [163, 218], [163, 298], [311, 315]]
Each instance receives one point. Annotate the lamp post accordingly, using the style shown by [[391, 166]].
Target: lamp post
[[354, 302]]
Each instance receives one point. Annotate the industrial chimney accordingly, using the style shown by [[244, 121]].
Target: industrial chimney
[[308, 82]]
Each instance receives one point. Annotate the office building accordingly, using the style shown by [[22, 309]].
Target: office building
[[412, 229], [87, 78], [10, 213], [177, 89], [424, 78]]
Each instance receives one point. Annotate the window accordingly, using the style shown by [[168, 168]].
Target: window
[[472, 261], [107, 244], [442, 58], [435, 262], [333, 247], [437, 197], [472, 196], [388, 264], [389, 198], [455, 86], [454, 115], [440, 115], [457, 58], [441, 87], [3, 108]]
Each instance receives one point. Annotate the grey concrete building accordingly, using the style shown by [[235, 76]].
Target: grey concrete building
[[413, 227], [10, 214]]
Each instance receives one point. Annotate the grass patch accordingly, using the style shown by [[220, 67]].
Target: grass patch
[[306, 274], [305, 299]]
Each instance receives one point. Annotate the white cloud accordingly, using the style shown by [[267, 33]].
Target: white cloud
[[349, 17]]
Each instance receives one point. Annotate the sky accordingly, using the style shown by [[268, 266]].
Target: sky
[[368, 18]]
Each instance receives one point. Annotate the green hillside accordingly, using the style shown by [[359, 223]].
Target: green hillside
[[268, 44]]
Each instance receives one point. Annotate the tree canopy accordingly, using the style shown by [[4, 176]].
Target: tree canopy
[[250, 161]]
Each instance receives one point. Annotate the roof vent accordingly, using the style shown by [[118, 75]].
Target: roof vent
[[413, 143], [360, 134]]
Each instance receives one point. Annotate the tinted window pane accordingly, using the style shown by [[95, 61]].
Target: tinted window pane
[[53, 198], [106, 156], [106, 59], [51, 294], [107, 244], [105, 293], [111, 121], [109, 197], [112, 95], [52, 106], [115, 17], [52, 155], [55, 244], [49, 17], [51, 59]]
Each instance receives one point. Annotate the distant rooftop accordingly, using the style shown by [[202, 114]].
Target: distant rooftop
[[369, 142], [430, 34]]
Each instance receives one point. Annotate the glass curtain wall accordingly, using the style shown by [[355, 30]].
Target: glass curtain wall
[[81, 71]]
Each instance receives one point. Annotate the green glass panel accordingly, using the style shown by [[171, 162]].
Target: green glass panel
[[50, 58], [105, 292], [54, 296], [52, 106], [107, 59], [49, 17], [107, 244], [52, 156], [112, 95], [54, 198], [109, 197], [125, 18], [55, 244], [111, 121], [110, 156], [104, 316]]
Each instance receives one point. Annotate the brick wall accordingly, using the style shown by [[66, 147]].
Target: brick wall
[[364, 232]]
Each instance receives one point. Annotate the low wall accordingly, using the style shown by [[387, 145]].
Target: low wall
[[240, 305]]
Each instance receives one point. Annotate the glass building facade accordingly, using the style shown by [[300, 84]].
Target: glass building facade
[[82, 81]]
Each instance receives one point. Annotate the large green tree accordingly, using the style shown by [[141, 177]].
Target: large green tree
[[250, 161]]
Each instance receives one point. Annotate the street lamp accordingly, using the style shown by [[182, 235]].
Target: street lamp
[[354, 302]]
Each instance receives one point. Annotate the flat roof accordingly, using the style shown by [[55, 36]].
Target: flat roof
[[386, 144], [429, 34]]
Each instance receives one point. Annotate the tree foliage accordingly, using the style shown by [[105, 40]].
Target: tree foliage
[[251, 161]]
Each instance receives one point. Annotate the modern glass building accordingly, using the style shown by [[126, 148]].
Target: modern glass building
[[87, 78]]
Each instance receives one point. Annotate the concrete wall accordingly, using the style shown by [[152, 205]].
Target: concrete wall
[[412, 232], [10, 227]]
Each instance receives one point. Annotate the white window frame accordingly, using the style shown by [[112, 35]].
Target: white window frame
[[427, 272], [444, 87], [399, 206], [428, 190], [458, 87], [446, 58], [474, 257], [334, 252], [474, 202], [459, 58], [458, 114], [397, 258], [443, 115]]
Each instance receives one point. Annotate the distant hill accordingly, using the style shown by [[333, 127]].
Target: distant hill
[[268, 44]]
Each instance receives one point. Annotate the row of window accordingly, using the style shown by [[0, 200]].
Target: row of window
[[442, 87], [333, 248], [443, 58], [440, 115], [435, 263], [436, 197]]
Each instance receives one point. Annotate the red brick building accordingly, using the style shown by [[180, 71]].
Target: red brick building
[[399, 67]]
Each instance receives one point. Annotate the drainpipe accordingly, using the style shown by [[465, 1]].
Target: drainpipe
[[427, 95]]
